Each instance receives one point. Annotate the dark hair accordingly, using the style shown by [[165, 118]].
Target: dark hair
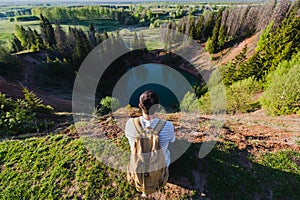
[[149, 102]]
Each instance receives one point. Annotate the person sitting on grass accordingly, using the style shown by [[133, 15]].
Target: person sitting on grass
[[149, 138]]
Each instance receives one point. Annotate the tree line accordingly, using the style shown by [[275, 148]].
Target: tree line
[[231, 24], [75, 14], [73, 45], [272, 72]]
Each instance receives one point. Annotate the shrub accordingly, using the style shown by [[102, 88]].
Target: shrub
[[14, 118], [34, 103], [17, 121], [214, 100], [205, 104], [189, 103], [282, 95], [239, 96], [19, 116], [108, 105]]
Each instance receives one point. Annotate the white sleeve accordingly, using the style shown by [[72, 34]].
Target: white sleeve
[[172, 134], [130, 133]]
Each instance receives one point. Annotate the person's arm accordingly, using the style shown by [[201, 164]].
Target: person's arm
[[130, 132], [172, 134]]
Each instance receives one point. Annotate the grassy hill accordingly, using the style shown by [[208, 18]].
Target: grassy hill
[[56, 167], [60, 167]]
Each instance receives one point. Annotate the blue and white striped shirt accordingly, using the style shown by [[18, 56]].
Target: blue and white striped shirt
[[166, 135]]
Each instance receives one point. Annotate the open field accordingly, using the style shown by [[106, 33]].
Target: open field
[[7, 27], [151, 36]]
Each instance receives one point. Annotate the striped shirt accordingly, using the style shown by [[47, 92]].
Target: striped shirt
[[166, 135]]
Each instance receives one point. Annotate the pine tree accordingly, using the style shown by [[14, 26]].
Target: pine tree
[[91, 36], [215, 33], [16, 45], [38, 40], [199, 28], [71, 38], [192, 30], [209, 46], [208, 26], [61, 41], [280, 11], [21, 35], [31, 43], [221, 36], [47, 31], [82, 47], [234, 71], [105, 35], [228, 76]]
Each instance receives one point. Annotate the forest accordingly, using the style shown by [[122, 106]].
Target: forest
[[253, 47]]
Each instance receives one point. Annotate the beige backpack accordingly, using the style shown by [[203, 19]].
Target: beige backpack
[[147, 170]]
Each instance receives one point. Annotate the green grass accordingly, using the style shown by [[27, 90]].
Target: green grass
[[152, 36], [5, 37], [7, 28], [57, 167], [228, 176]]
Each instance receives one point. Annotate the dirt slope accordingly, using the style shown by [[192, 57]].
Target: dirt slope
[[29, 64], [206, 63]]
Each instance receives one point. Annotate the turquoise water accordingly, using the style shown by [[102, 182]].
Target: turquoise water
[[171, 85]]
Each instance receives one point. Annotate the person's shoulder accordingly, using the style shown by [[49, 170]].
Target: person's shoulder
[[129, 122], [168, 123]]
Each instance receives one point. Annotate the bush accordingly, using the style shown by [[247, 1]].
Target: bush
[[205, 104], [282, 94], [17, 121], [214, 100], [14, 118], [108, 105], [240, 95], [19, 116], [189, 103], [34, 103]]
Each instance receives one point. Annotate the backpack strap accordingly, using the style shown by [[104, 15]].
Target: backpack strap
[[138, 125], [160, 124]]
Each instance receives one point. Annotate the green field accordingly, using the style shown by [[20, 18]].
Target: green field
[[7, 27], [151, 36]]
